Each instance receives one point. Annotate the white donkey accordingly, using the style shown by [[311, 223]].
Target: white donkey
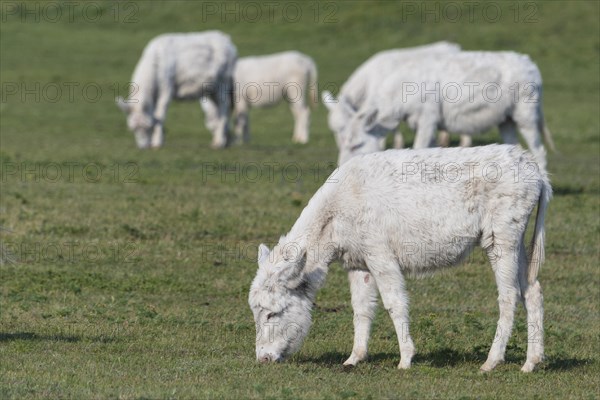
[[262, 81], [366, 81], [467, 92], [181, 66], [407, 212]]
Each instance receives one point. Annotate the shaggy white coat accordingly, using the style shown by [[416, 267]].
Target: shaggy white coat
[[467, 92], [367, 79], [262, 81], [407, 212], [181, 66]]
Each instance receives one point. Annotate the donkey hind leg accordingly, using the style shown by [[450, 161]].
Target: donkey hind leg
[[466, 140], [508, 131], [241, 120], [301, 114], [364, 303], [528, 117], [443, 138], [213, 121], [533, 138], [531, 296], [219, 110], [505, 263], [210, 112], [398, 140], [390, 283]]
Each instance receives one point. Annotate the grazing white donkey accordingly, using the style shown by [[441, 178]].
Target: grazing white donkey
[[407, 212], [181, 66], [262, 81], [366, 81], [467, 92]]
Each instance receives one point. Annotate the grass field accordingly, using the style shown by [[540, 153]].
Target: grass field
[[125, 273]]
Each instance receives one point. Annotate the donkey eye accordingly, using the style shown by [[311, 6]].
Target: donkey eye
[[357, 146], [271, 315]]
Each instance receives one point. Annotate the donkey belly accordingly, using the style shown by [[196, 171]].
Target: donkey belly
[[439, 243], [423, 258]]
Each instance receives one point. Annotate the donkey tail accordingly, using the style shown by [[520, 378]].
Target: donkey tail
[[537, 241]]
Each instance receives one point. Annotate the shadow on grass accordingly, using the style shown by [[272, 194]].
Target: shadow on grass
[[455, 141], [9, 337], [445, 357], [59, 337], [332, 358], [567, 190], [565, 364], [439, 358], [335, 359]]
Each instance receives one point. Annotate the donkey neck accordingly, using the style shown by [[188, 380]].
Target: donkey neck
[[312, 232], [144, 84]]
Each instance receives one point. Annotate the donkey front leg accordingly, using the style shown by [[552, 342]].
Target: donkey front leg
[[160, 112], [364, 303], [390, 283], [425, 133]]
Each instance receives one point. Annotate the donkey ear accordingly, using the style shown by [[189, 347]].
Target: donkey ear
[[123, 105], [263, 253], [347, 106], [375, 121], [291, 275], [328, 99], [369, 118]]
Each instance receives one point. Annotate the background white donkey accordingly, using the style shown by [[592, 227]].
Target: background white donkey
[[467, 92], [262, 81], [407, 212], [181, 66], [366, 81]]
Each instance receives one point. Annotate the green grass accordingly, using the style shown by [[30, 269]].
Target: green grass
[[125, 273]]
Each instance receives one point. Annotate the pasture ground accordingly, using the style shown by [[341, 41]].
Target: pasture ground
[[125, 273]]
